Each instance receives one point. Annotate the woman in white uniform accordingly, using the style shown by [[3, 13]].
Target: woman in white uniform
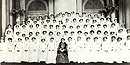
[[87, 50], [113, 47], [33, 51], [2, 50], [52, 51], [105, 48], [96, 49], [43, 50], [9, 51], [18, 51], [79, 50], [8, 33], [119, 49], [71, 49], [126, 57], [26, 51]]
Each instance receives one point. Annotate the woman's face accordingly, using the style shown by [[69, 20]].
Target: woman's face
[[128, 31], [105, 33], [79, 38], [50, 34], [58, 34], [28, 22], [26, 39], [69, 39], [119, 40], [35, 22], [104, 26], [10, 40], [17, 26], [128, 38], [87, 20], [8, 32], [98, 33], [62, 40], [85, 34], [99, 26], [113, 38], [87, 39], [95, 39], [37, 26], [104, 39], [57, 27]]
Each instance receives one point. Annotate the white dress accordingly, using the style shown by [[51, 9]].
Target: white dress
[[8, 35], [26, 51], [91, 50], [80, 51], [71, 51], [87, 51], [2, 51], [43, 51], [118, 52], [9, 52], [33, 52], [18, 52], [107, 57], [127, 58], [113, 52], [52, 52]]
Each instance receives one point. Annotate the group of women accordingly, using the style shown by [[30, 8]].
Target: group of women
[[64, 38]]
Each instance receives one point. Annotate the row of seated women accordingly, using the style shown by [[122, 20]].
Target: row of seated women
[[88, 50]]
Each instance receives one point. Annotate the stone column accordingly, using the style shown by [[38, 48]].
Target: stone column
[[3, 16], [8, 11], [107, 2], [79, 7], [11, 17], [22, 5], [120, 12], [51, 7], [127, 14]]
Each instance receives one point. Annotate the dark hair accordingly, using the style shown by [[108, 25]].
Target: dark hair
[[70, 37], [51, 38], [113, 37], [26, 37], [9, 38], [37, 24], [91, 31], [50, 32], [79, 32], [98, 31], [95, 37], [62, 38], [65, 31]]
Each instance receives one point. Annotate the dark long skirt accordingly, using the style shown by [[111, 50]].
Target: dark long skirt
[[62, 58]]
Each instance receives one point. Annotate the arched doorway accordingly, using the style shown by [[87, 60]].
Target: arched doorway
[[93, 6], [36, 8]]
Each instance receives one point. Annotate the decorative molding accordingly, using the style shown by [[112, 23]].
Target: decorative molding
[[85, 1], [92, 4], [31, 1], [37, 5], [93, 7]]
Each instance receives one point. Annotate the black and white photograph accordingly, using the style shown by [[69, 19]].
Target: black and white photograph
[[64, 32]]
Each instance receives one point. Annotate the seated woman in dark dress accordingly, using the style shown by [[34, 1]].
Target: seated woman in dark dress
[[62, 52]]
